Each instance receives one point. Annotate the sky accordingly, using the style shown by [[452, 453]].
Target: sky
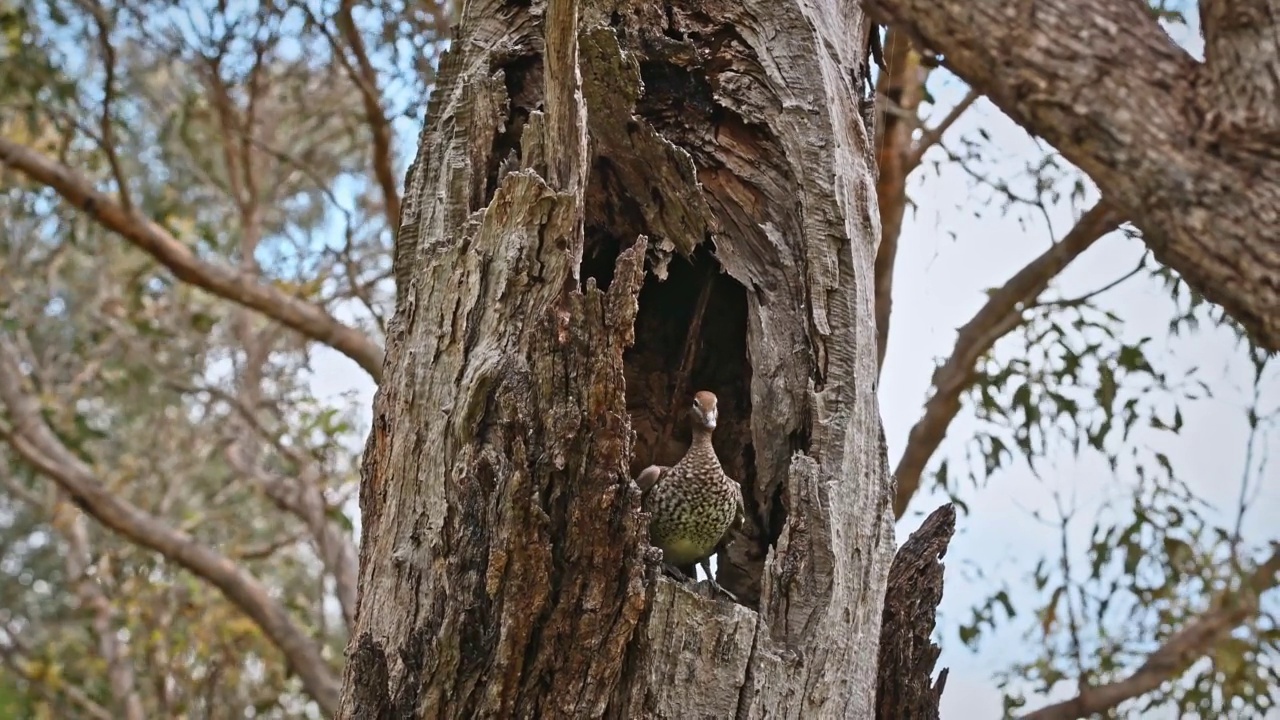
[[939, 286], [947, 258]]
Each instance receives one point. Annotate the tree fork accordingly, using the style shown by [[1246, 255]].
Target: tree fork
[[543, 306]]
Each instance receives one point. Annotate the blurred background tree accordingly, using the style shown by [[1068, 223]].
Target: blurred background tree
[[199, 202]]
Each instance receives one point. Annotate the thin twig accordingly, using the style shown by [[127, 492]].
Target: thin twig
[[1000, 315], [1227, 610], [1081, 299], [108, 141], [932, 136]]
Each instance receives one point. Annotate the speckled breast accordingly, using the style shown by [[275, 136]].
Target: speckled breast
[[688, 519]]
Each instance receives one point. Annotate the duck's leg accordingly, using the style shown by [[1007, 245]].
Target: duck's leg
[[675, 572], [706, 568]]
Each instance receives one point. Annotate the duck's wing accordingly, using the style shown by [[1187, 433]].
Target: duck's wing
[[740, 515], [650, 477]]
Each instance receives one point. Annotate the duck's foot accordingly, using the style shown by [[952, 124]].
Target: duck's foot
[[715, 586], [680, 575], [675, 572]]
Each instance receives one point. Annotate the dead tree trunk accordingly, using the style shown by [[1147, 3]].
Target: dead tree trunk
[[616, 204]]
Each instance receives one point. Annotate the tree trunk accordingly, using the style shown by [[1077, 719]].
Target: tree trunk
[[613, 206]]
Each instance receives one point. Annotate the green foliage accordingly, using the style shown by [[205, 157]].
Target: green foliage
[[1068, 381], [241, 131], [1073, 385]]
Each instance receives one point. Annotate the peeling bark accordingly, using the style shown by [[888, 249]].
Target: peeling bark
[[593, 181]]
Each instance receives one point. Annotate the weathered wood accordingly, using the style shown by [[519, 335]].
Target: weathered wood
[[542, 328], [907, 650]]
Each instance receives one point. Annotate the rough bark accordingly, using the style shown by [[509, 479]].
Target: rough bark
[[1189, 151], [907, 652], [557, 245]]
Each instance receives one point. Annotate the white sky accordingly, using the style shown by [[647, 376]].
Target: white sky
[[940, 283], [939, 286]]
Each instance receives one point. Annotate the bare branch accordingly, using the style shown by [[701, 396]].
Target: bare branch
[[1226, 612], [998, 317], [1064, 566], [1086, 297], [998, 184], [300, 494], [900, 90], [366, 79], [16, 489], [266, 550], [306, 318], [932, 136], [108, 138], [32, 439]]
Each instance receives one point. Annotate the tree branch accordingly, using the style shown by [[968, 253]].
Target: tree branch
[[998, 317], [306, 318], [266, 550], [1105, 84], [32, 439], [300, 493], [105, 122], [1226, 611], [933, 135], [366, 79], [901, 90], [303, 498]]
